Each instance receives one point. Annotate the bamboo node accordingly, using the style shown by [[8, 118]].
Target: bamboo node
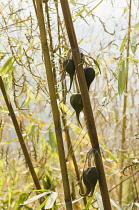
[[58, 130]]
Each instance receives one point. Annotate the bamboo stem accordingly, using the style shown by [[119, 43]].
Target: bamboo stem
[[125, 101], [86, 103], [66, 129], [20, 137], [72, 155], [55, 111]]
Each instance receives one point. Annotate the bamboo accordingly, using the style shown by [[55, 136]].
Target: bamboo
[[66, 129], [124, 122], [55, 111], [20, 137], [86, 103], [72, 155]]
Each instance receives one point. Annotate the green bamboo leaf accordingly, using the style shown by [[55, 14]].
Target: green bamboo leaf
[[133, 48], [134, 59], [65, 52], [52, 140], [93, 8], [14, 40], [73, 2], [125, 157], [8, 142], [65, 108], [42, 205], [42, 143], [7, 66], [80, 12], [19, 200], [122, 78], [135, 28], [89, 203], [79, 131], [110, 155], [133, 44], [80, 41], [123, 44], [27, 101]]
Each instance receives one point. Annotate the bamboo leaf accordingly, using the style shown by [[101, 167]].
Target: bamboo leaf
[[36, 121], [130, 206], [30, 118], [7, 66], [51, 200], [99, 201], [125, 157], [36, 197], [73, 2], [52, 140], [109, 153], [65, 108], [137, 204], [123, 44], [94, 8], [122, 78], [115, 205], [134, 59], [7, 142], [89, 203], [79, 131], [80, 12], [42, 205], [27, 101], [20, 199], [80, 41], [76, 200]]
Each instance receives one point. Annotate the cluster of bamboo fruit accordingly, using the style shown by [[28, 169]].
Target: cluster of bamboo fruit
[[76, 99]]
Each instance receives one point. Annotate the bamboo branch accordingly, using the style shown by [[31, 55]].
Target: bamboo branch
[[20, 137], [86, 103]]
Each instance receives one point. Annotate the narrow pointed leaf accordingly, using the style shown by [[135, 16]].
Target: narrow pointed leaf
[[50, 202], [36, 197]]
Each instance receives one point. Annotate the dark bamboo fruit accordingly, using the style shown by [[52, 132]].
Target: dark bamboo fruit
[[77, 104], [90, 178], [89, 75], [86, 183], [69, 67]]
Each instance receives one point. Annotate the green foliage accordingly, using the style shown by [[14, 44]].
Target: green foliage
[[122, 77], [52, 140], [7, 67], [22, 197]]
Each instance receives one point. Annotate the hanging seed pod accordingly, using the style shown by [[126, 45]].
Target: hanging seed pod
[[90, 178], [89, 75], [86, 183], [76, 103], [69, 67]]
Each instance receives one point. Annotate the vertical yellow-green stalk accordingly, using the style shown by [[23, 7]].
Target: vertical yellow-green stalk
[[55, 110], [124, 122]]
